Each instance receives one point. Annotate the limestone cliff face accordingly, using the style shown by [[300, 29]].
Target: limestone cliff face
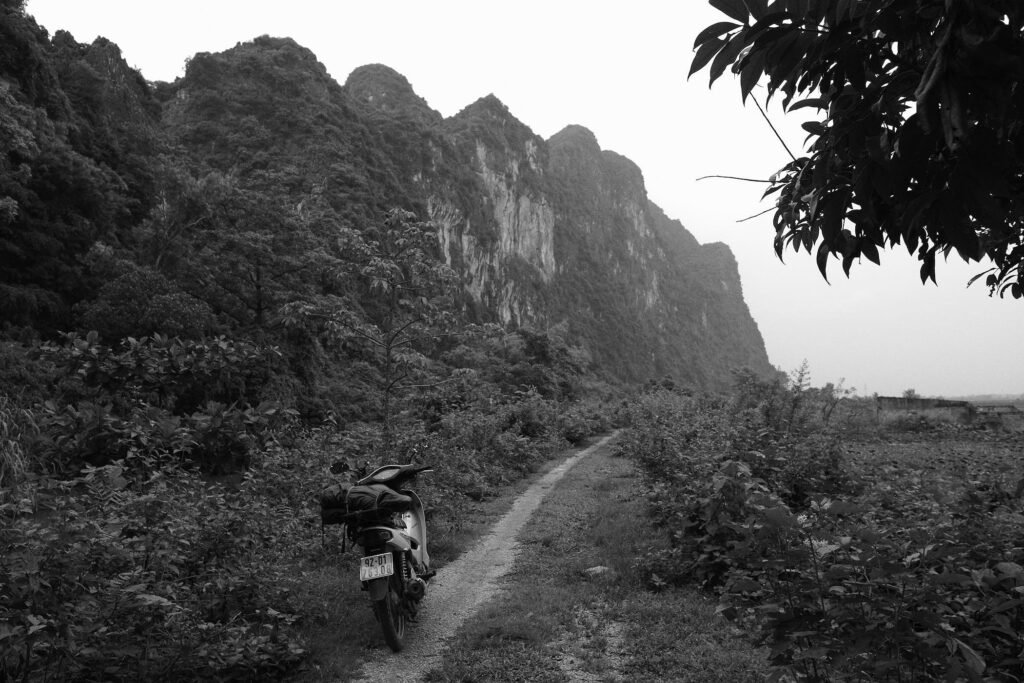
[[545, 231], [511, 243], [541, 231]]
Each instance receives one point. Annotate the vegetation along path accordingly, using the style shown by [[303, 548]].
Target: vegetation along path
[[554, 594], [462, 586]]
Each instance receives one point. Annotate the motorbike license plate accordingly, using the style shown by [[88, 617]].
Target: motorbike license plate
[[376, 566]]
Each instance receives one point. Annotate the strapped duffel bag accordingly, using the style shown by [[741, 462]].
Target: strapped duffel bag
[[344, 503]]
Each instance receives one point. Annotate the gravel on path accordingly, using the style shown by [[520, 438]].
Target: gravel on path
[[461, 587]]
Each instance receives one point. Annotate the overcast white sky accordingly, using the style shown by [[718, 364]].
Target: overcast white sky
[[620, 70]]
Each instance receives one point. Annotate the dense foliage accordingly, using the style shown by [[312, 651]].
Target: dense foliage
[[919, 140], [66, 179], [850, 561], [123, 559], [177, 577]]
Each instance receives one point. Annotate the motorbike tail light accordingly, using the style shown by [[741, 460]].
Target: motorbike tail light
[[373, 537]]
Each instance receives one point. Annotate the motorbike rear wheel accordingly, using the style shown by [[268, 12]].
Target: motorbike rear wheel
[[391, 615]]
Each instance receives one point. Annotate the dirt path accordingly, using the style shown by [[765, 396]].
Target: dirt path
[[462, 586]]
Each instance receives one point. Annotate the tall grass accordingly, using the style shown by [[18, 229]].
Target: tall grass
[[17, 426]]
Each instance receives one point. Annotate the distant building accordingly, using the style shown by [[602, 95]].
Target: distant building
[[1003, 415], [893, 409]]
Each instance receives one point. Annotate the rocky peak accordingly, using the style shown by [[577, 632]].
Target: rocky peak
[[263, 65], [282, 53], [382, 88], [623, 173], [488, 122], [125, 94], [576, 156], [718, 259], [576, 136], [487, 107], [490, 112]]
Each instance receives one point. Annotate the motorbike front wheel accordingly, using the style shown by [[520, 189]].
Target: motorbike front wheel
[[391, 616]]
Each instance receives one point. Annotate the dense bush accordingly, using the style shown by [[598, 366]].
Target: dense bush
[[118, 578], [156, 399], [141, 302], [844, 581]]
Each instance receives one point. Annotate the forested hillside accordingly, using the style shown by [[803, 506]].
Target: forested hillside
[[207, 205]]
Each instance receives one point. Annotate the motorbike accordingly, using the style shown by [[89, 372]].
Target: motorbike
[[385, 519]]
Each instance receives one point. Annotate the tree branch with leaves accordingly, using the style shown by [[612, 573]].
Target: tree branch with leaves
[[918, 141]]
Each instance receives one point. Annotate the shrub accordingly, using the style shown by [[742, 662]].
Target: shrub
[[156, 400], [142, 302], [840, 591], [123, 578]]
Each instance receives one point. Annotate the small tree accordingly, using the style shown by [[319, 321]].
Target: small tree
[[397, 307], [831, 395], [799, 384]]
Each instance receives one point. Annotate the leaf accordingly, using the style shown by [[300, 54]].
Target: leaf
[[725, 57], [973, 660], [842, 507], [847, 262], [822, 259], [783, 52], [735, 9], [751, 73], [1006, 605], [149, 599], [757, 8], [818, 102], [842, 11], [832, 208], [814, 127], [714, 31], [789, 59], [780, 517], [769, 21], [868, 248], [744, 585], [928, 267], [704, 55], [797, 7], [1009, 568]]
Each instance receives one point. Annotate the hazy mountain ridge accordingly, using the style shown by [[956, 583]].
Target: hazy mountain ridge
[[560, 229], [541, 232]]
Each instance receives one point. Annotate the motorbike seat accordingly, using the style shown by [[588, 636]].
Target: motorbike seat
[[393, 475]]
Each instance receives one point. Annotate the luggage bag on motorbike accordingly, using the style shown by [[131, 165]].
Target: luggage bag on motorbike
[[343, 503]]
